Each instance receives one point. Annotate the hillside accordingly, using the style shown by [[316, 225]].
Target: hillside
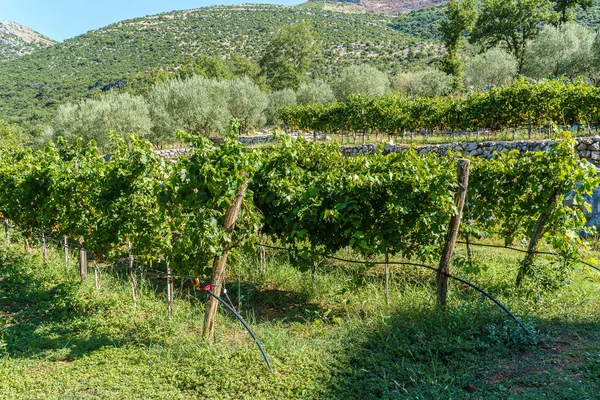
[[17, 40], [380, 6], [32, 86]]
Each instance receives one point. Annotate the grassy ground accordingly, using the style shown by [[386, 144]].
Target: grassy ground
[[333, 337]]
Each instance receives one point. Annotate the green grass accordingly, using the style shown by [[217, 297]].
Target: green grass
[[328, 337]]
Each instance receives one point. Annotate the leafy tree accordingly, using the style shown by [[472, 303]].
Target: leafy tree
[[93, 119], [564, 50], [460, 18], [562, 8], [284, 97], [495, 67], [430, 82], [288, 56], [242, 66], [316, 91], [246, 102], [206, 67], [197, 105], [10, 135], [511, 23], [361, 79]]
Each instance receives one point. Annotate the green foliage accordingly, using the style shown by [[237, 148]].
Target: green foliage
[[10, 135], [565, 50], [246, 103], [93, 119], [430, 82], [511, 23], [197, 105], [495, 67], [508, 193], [316, 91], [460, 18], [556, 101], [361, 79], [32, 87], [563, 7], [285, 97], [288, 56], [201, 189]]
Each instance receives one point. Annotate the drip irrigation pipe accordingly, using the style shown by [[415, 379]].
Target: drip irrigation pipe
[[471, 285], [239, 317]]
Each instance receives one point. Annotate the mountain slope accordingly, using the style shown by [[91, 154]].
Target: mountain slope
[[17, 40], [32, 86]]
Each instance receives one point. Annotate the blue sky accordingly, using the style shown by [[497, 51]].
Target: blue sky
[[63, 19]]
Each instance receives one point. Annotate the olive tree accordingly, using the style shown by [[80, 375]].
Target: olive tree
[[495, 67], [430, 82], [196, 105], [92, 119], [361, 79], [316, 91], [564, 50], [246, 102], [284, 97]]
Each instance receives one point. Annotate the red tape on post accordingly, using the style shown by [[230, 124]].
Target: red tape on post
[[207, 288]]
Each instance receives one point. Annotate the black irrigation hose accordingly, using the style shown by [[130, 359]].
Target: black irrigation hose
[[239, 317], [472, 285], [549, 253]]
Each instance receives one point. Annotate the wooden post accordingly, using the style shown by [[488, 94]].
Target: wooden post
[[44, 248], [448, 251], [169, 290], [83, 267], [534, 239], [133, 285], [66, 248], [96, 273], [387, 277], [27, 248], [6, 235], [219, 264]]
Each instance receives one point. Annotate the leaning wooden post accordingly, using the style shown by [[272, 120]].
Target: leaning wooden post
[[83, 267], [6, 235], [133, 286], [534, 239], [219, 264], [447, 253]]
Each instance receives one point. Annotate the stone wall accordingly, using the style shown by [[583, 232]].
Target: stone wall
[[588, 148]]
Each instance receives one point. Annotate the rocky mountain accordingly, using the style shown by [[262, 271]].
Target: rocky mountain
[[17, 40]]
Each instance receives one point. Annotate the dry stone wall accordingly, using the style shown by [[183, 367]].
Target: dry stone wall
[[588, 148]]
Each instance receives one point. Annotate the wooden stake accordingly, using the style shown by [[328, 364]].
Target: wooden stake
[[83, 267], [66, 248], [219, 265], [133, 285], [387, 277], [169, 290], [6, 235], [44, 249], [27, 248], [448, 251], [96, 277]]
